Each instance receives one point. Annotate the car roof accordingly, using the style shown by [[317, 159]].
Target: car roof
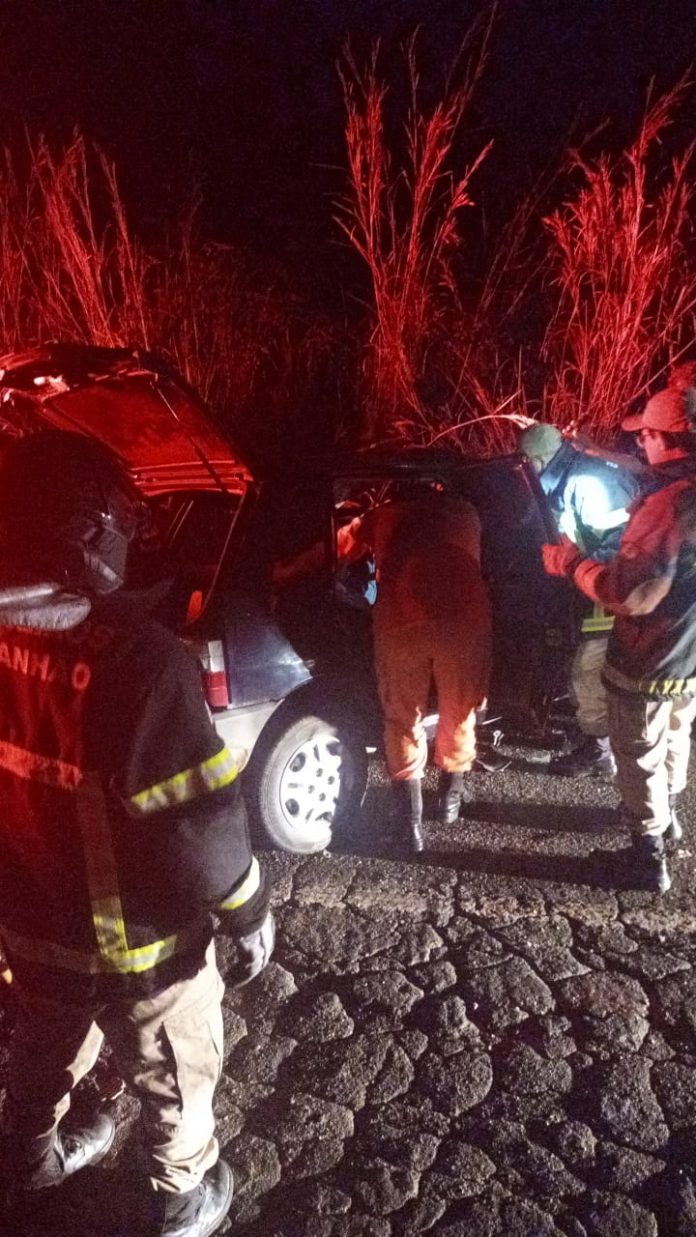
[[133, 401], [417, 461]]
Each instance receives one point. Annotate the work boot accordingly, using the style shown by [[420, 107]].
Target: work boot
[[408, 810], [674, 831], [645, 864], [449, 797], [199, 1212], [592, 758], [490, 760], [70, 1151]]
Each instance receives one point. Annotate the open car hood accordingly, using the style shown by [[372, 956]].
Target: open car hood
[[132, 401]]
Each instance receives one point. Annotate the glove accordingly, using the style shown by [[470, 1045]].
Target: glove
[[253, 953], [561, 559], [5, 972]]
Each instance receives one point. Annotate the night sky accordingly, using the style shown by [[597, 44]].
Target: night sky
[[243, 97]]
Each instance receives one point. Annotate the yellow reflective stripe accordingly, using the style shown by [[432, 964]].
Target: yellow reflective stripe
[[599, 620], [101, 873], [651, 687], [598, 624], [245, 891], [219, 770], [100, 870], [34, 767], [50, 953]]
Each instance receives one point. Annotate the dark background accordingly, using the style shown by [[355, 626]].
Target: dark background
[[241, 98]]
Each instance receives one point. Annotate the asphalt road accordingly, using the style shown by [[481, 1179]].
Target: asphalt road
[[491, 1039]]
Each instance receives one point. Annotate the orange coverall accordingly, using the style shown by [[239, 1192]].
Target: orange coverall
[[432, 621]]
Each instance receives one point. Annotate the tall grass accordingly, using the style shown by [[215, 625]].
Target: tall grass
[[621, 274], [604, 285], [607, 310], [402, 213], [73, 268]]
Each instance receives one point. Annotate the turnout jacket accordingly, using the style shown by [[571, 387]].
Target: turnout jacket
[[428, 559], [650, 585], [590, 499], [121, 827]]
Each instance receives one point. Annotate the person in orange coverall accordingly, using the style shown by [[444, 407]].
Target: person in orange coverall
[[432, 621]]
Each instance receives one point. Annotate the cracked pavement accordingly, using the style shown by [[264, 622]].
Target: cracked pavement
[[491, 1039]]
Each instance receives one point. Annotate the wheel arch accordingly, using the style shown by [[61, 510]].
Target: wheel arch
[[310, 701]]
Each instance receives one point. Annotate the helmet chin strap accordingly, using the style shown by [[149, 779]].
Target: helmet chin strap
[[42, 607]]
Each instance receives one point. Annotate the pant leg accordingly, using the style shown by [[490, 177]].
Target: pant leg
[[679, 742], [461, 666], [588, 692], [53, 1046], [404, 674], [638, 730], [169, 1049]]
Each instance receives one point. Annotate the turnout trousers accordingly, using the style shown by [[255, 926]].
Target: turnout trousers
[[168, 1049], [588, 693], [456, 657], [651, 741]]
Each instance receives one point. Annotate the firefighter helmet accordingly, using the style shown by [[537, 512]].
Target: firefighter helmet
[[68, 513], [540, 442]]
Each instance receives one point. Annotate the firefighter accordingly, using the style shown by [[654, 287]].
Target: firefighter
[[589, 500], [650, 585], [121, 835], [432, 621]]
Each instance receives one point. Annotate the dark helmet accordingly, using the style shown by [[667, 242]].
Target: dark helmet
[[68, 513]]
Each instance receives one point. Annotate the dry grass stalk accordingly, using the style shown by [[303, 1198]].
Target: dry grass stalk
[[403, 218], [71, 268], [623, 277]]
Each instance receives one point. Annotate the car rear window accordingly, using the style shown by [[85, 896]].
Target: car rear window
[[188, 541]]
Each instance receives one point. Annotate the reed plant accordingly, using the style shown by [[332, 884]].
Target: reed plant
[[576, 312], [402, 213], [620, 276], [73, 268]]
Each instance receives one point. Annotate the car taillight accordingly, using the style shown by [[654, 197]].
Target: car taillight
[[211, 655]]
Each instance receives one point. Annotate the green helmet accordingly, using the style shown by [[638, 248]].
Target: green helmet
[[540, 442]]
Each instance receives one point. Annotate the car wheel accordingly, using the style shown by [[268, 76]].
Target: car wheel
[[307, 779]]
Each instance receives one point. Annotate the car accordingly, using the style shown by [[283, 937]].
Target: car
[[288, 673]]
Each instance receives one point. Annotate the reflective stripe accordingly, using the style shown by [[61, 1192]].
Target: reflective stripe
[[651, 687], [245, 891], [219, 770], [100, 870], [593, 626], [102, 882], [49, 953], [101, 873], [33, 767], [599, 620]]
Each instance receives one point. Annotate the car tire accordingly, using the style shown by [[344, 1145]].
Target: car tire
[[307, 777]]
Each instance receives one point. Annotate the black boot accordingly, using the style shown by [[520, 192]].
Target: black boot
[[674, 831], [591, 758], [70, 1151], [449, 797], [646, 864], [199, 1212], [408, 810]]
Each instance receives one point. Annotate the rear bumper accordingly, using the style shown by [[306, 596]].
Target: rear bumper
[[240, 728]]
